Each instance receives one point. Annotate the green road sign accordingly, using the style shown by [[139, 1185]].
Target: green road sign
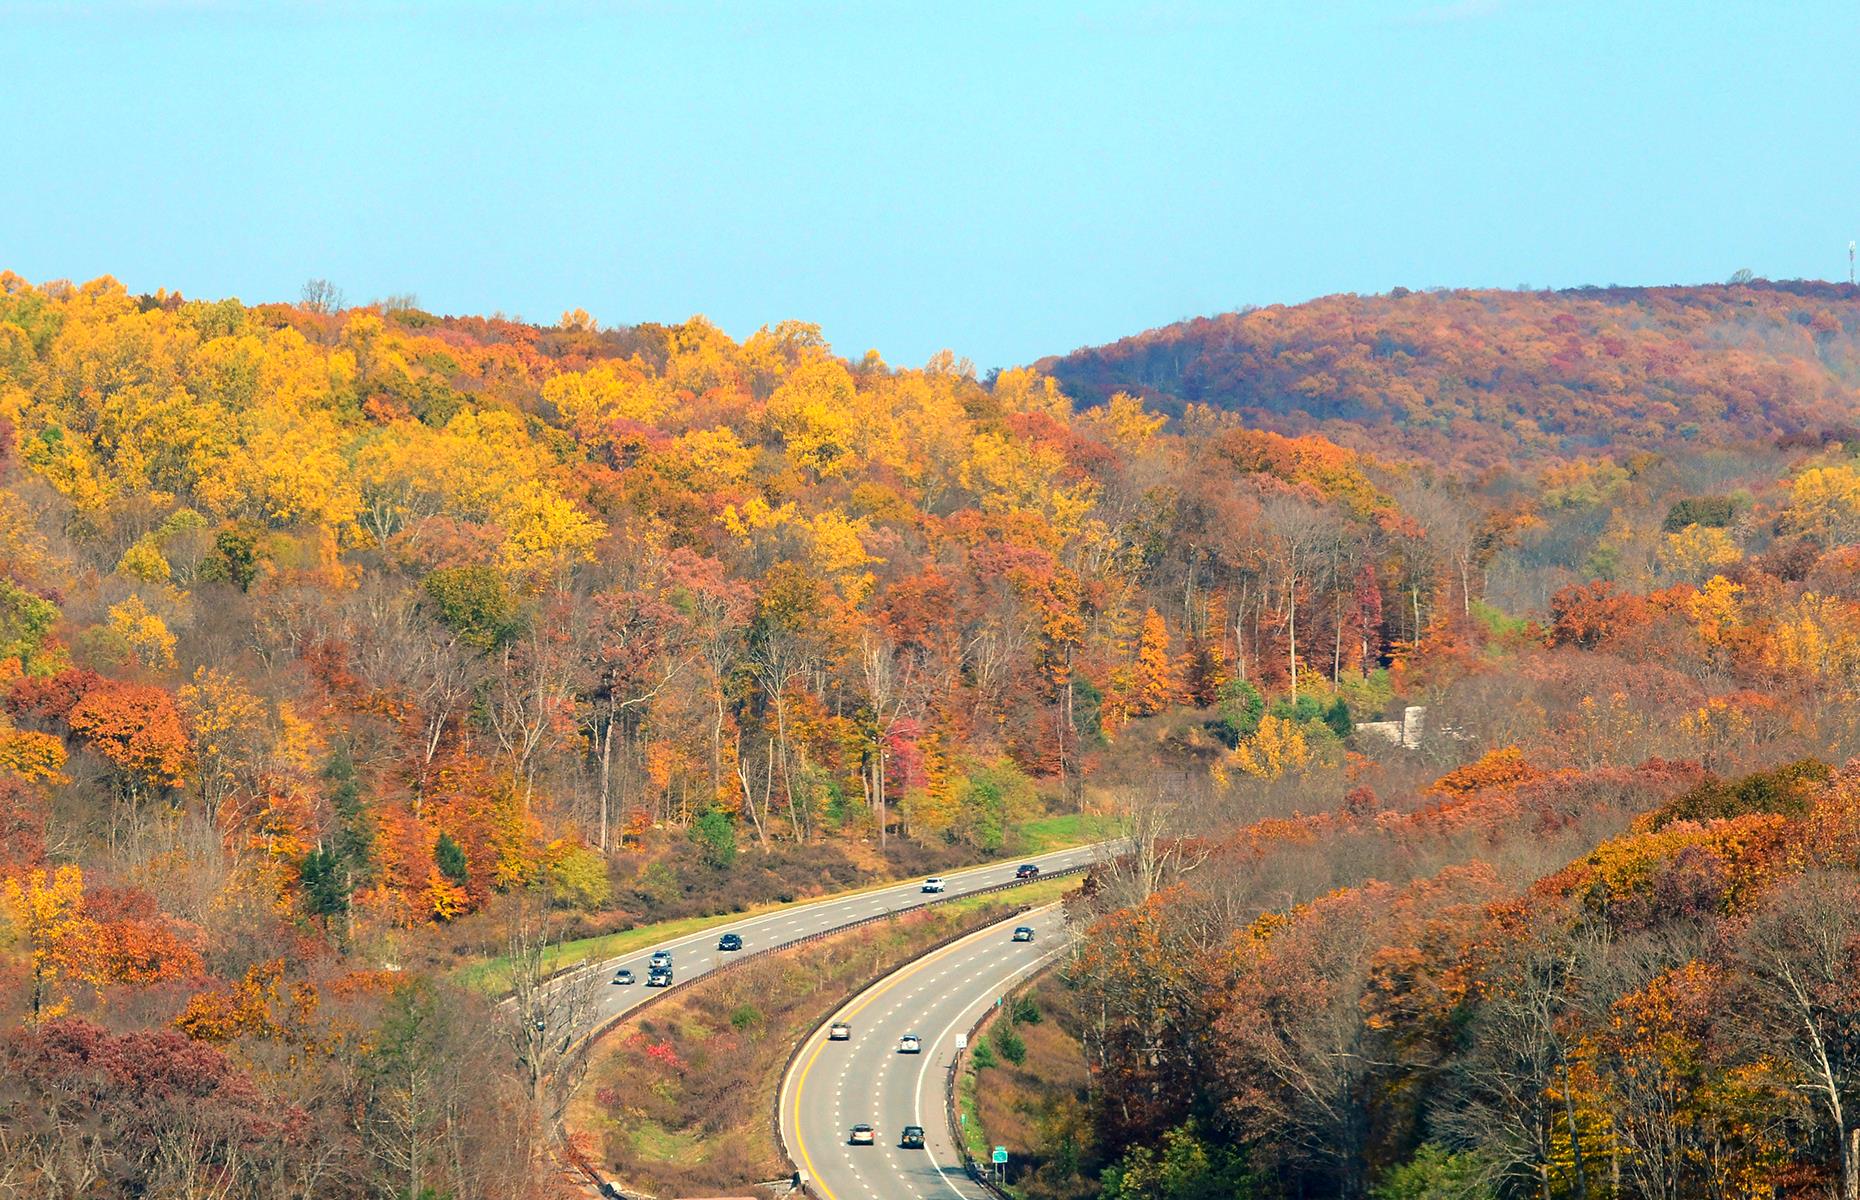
[[1000, 1154]]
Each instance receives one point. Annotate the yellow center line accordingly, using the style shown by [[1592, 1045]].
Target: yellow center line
[[800, 1142]]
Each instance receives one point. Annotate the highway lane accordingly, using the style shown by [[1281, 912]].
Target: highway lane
[[835, 1085], [697, 954]]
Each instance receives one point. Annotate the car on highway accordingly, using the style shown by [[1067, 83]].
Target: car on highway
[[839, 1031], [933, 884], [862, 1135], [623, 975], [910, 1044], [1023, 933], [1027, 871], [912, 1138], [659, 977], [661, 958], [730, 941]]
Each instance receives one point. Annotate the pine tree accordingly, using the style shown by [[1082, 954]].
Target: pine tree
[[449, 857]]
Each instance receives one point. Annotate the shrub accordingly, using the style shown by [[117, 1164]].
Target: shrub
[[580, 877], [1240, 707], [1786, 789], [1008, 1044], [715, 833], [1436, 1173]]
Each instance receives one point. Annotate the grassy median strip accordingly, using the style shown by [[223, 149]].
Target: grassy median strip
[[680, 1100]]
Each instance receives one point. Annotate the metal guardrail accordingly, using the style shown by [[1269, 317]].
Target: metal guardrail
[[592, 1175], [951, 1113]]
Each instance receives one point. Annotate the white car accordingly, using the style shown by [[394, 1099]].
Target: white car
[[933, 884], [909, 1044]]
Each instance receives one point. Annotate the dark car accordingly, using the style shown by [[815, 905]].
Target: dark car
[[839, 1031], [912, 1138], [729, 941], [862, 1135], [623, 975], [1026, 871], [659, 977], [1023, 933]]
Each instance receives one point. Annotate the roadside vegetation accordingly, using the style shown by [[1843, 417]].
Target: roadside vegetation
[[1026, 1086]]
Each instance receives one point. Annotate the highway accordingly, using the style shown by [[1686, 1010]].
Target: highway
[[835, 1085], [696, 954]]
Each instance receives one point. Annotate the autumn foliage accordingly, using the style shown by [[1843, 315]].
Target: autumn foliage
[[331, 639]]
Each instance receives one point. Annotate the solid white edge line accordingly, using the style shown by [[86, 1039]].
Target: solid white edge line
[[918, 1109]]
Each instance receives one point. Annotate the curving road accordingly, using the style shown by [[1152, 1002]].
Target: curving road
[[697, 954], [835, 1085]]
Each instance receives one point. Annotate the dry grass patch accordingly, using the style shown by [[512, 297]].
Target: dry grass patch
[[1025, 1088]]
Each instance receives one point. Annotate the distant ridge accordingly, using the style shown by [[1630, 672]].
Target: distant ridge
[[1477, 377]]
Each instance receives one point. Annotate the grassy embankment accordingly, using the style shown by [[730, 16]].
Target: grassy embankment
[[1041, 835], [1024, 1087], [678, 1101]]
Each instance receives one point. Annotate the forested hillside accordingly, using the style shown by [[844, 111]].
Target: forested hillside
[[338, 645], [1482, 378]]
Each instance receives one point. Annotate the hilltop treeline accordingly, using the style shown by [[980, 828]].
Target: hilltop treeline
[[1483, 378]]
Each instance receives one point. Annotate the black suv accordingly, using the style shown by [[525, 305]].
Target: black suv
[[912, 1138], [729, 941]]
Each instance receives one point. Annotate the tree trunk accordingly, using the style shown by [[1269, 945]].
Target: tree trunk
[[1336, 650], [607, 759], [749, 798], [1240, 634], [1575, 1136], [1291, 630]]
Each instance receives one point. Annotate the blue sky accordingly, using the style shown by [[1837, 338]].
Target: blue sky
[[1006, 179]]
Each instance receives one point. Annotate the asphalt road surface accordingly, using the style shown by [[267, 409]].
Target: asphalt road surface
[[697, 954], [835, 1085]]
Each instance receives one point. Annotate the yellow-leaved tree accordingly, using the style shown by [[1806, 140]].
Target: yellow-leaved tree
[[1824, 503], [812, 413], [1697, 552], [42, 916], [1278, 746], [143, 633]]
